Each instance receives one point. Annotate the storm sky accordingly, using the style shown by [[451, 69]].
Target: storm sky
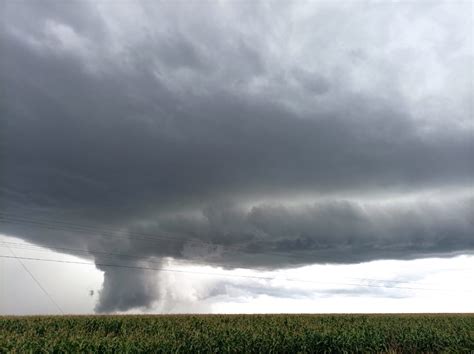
[[265, 135]]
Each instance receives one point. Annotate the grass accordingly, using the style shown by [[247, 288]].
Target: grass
[[239, 333]]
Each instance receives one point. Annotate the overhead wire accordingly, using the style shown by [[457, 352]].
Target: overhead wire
[[43, 289], [132, 235], [4, 217], [256, 277], [142, 258]]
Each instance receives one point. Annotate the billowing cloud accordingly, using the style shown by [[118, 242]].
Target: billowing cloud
[[256, 134]]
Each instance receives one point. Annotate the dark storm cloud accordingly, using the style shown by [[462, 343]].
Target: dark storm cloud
[[126, 289], [147, 118], [341, 232]]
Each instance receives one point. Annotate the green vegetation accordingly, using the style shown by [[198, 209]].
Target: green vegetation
[[238, 333]]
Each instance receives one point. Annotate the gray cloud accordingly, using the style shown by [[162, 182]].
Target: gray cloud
[[125, 289], [150, 128], [229, 289]]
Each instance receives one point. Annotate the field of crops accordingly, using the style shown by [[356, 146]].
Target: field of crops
[[239, 333]]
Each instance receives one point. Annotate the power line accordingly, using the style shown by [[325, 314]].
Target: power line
[[29, 247], [18, 245], [53, 225], [58, 225], [156, 239], [19, 259], [136, 267], [96, 228]]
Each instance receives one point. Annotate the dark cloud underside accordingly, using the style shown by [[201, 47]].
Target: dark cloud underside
[[187, 121]]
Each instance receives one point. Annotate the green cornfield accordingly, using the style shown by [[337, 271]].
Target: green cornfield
[[239, 333]]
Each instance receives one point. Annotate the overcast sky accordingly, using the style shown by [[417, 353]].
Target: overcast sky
[[309, 140]]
